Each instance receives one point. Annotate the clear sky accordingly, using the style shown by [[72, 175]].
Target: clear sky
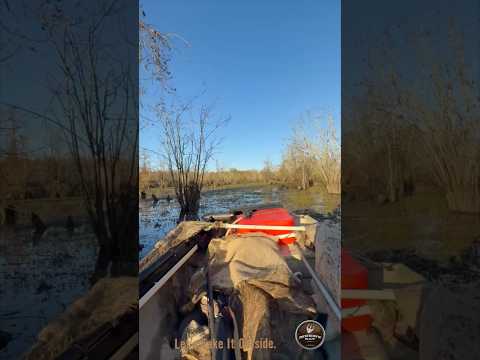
[[264, 63]]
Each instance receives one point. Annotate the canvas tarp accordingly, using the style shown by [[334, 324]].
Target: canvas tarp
[[256, 260], [267, 299]]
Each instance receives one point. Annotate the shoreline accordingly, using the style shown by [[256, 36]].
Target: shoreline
[[159, 192], [171, 191]]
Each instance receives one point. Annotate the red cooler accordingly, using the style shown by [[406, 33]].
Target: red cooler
[[269, 217], [354, 276]]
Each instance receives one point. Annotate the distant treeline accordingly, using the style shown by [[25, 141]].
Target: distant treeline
[[311, 157], [403, 133], [269, 175], [161, 179], [43, 177], [24, 178], [154, 179]]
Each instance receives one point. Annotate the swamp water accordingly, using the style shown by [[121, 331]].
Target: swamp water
[[39, 279], [156, 221]]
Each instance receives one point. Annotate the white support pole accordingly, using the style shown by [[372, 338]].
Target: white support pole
[[326, 294], [262, 227]]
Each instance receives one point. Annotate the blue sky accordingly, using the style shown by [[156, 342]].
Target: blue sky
[[263, 63]]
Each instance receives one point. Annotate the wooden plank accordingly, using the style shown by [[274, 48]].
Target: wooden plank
[[364, 294]]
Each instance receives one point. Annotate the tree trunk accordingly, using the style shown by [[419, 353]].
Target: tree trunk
[[102, 264], [392, 194], [190, 204], [125, 243], [10, 215], [463, 200], [190, 210]]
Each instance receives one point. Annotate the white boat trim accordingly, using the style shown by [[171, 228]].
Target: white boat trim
[[126, 348], [158, 285], [262, 227]]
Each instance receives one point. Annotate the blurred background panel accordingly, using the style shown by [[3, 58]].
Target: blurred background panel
[[68, 174], [410, 172]]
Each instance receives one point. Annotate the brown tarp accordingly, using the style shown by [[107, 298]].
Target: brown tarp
[[268, 300]]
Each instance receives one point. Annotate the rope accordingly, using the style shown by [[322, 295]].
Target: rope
[[236, 336]]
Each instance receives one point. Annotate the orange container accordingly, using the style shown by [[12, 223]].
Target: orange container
[[271, 217], [354, 276]]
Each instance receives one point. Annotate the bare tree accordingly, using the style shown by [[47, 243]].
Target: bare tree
[[432, 123], [329, 156], [188, 146], [146, 171], [312, 154], [268, 172], [154, 51], [96, 98], [14, 175], [15, 38], [448, 124], [301, 153], [299, 159], [382, 150]]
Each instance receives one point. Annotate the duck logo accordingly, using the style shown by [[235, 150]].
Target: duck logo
[[310, 334]]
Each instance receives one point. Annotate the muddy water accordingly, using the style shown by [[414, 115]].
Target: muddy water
[[156, 221], [422, 223]]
